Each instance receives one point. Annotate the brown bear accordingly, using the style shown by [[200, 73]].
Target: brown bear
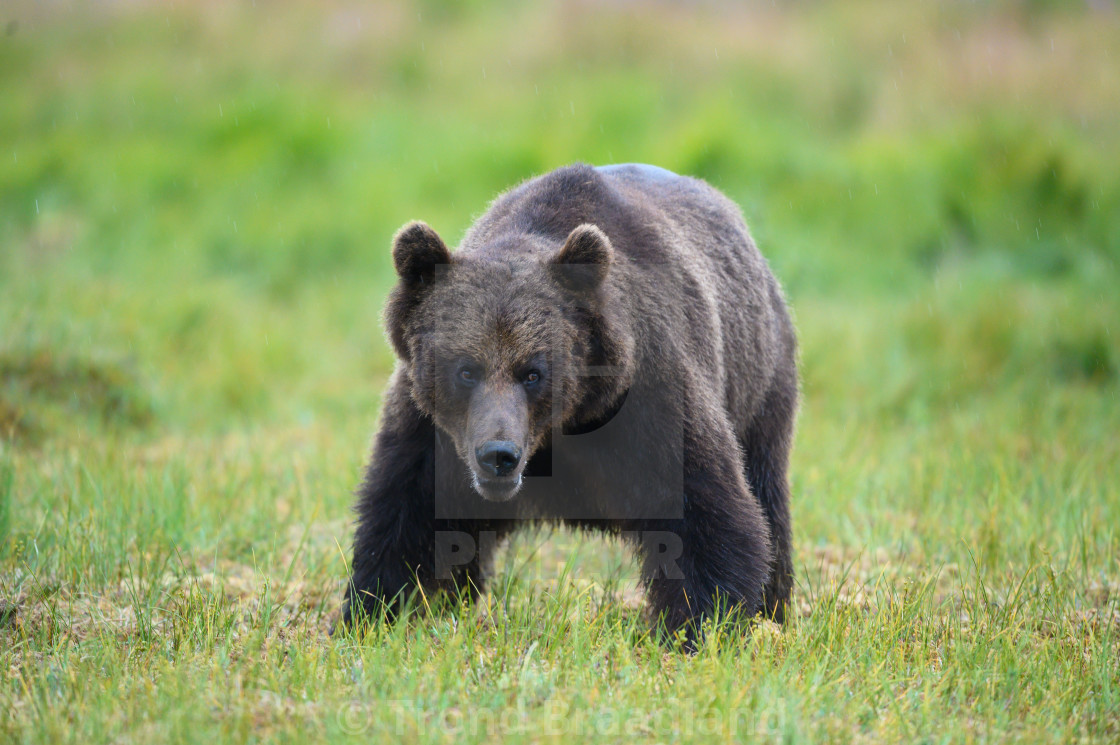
[[606, 349]]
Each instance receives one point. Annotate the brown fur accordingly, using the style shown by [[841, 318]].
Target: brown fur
[[663, 404]]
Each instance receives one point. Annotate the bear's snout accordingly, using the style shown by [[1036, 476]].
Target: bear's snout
[[498, 457]]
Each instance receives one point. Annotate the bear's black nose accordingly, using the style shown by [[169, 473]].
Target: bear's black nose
[[498, 457]]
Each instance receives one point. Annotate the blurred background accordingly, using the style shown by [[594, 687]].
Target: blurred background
[[197, 199]]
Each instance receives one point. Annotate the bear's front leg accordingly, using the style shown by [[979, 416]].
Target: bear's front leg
[[399, 545], [716, 558], [394, 539]]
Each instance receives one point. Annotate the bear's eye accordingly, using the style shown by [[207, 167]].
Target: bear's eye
[[532, 377], [467, 375]]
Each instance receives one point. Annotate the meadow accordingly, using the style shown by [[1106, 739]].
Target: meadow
[[196, 204]]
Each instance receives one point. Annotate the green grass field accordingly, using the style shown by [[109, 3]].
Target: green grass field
[[196, 203]]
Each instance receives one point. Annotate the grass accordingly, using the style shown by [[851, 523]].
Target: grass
[[195, 210]]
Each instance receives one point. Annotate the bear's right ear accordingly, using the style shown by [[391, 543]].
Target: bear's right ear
[[417, 250]]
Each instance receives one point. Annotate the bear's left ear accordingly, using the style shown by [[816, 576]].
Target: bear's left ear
[[584, 260], [417, 250]]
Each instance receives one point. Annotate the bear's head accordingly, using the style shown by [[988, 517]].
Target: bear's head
[[506, 345]]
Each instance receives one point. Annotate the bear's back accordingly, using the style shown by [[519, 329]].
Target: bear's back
[[642, 208]]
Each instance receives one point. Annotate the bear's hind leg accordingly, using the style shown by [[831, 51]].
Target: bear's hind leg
[[766, 448]]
